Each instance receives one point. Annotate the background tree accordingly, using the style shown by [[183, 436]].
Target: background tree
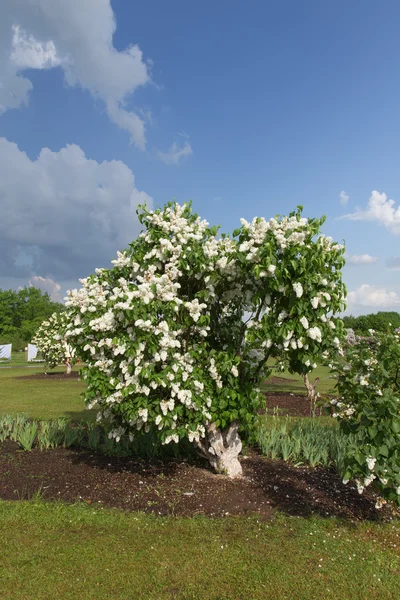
[[21, 313], [380, 321], [163, 332], [52, 343]]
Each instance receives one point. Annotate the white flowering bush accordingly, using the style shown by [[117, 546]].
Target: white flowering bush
[[177, 335], [52, 343], [368, 406]]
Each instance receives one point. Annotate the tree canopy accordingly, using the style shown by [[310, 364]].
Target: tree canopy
[[21, 313], [380, 321], [165, 336]]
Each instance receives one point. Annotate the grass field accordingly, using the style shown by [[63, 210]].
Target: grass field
[[59, 551], [296, 385], [41, 399]]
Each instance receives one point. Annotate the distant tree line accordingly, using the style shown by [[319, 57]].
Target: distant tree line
[[378, 321], [21, 313]]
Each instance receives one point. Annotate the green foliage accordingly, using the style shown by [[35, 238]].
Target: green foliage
[[368, 407], [379, 321], [56, 433], [308, 441], [27, 435], [21, 313]]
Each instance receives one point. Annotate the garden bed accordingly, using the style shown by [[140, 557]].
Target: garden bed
[[176, 487], [51, 376], [286, 403]]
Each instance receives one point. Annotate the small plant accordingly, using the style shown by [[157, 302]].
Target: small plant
[[17, 423], [6, 427], [93, 437], [306, 442], [27, 435], [51, 433], [73, 436]]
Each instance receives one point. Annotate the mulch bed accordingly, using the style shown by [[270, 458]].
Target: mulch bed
[[50, 376], [178, 487], [290, 404]]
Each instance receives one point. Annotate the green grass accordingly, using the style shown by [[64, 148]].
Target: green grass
[[17, 359], [41, 399], [66, 552], [296, 385]]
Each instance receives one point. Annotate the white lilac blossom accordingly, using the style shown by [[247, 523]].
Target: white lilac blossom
[[298, 289], [304, 322], [52, 343], [163, 331]]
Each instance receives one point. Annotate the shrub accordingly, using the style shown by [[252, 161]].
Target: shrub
[[165, 335], [368, 406], [50, 340]]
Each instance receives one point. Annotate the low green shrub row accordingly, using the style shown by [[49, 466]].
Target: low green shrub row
[[306, 442], [61, 433]]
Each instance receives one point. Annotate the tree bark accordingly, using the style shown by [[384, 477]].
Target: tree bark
[[69, 368], [311, 393], [222, 448]]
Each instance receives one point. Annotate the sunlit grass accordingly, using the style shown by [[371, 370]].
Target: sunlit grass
[[68, 552]]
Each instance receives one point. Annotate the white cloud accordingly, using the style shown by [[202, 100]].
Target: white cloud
[[373, 297], [76, 35], [379, 209], [175, 154], [46, 284], [393, 263], [360, 259], [343, 198], [29, 53], [63, 214]]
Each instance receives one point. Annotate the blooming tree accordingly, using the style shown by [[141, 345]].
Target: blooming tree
[[177, 335], [368, 406], [51, 342]]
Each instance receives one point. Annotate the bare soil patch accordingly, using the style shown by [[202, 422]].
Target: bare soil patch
[[50, 376], [178, 487], [294, 405]]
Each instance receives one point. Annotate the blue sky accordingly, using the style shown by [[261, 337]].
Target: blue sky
[[248, 109]]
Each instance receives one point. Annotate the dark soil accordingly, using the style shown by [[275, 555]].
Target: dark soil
[[290, 404], [51, 375], [179, 487]]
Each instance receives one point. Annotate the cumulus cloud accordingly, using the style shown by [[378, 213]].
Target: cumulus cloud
[[175, 154], [381, 210], [46, 284], [373, 297], [393, 263], [360, 259], [77, 36], [343, 198], [63, 214]]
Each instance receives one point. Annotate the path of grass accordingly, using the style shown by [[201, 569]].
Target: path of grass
[[68, 552]]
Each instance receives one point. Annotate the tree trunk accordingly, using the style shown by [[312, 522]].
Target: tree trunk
[[69, 368], [311, 393], [222, 448]]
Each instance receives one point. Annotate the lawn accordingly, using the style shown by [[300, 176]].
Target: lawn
[[41, 399], [46, 399], [58, 551], [296, 383]]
